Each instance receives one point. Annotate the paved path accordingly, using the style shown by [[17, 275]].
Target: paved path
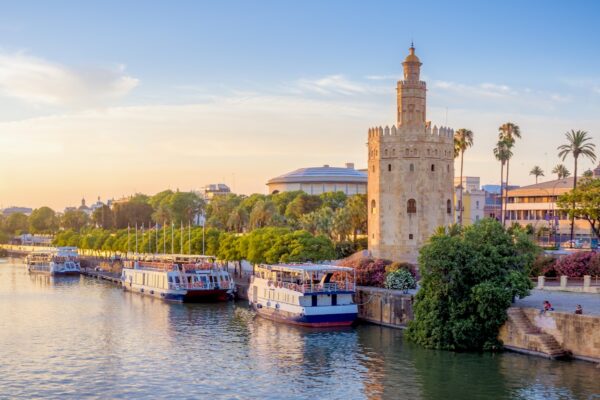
[[563, 301]]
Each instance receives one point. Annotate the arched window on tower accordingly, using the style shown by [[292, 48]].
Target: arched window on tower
[[386, 152], [411, 206], [448, 206], [447, 167], [373, 207], [394, 152], [389, 167], [412, 168], [432, 167]]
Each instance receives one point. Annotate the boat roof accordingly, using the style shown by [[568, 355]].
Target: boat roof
[[306, 268]]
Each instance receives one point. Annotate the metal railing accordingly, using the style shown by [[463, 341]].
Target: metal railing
[[308, 288]]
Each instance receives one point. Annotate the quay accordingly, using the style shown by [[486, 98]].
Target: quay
[[107, 276]]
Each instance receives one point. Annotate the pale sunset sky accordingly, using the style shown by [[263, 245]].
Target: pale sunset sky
[[117, 97]]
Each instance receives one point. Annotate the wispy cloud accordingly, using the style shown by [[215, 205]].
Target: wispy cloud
[[333, 85], [382, 77], [42, 82], [482, 90]]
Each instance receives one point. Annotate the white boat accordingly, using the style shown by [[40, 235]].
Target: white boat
[[61, 261], [178, 278], [304, 294]]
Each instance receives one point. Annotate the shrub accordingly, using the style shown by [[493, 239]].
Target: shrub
[[542, 265], [574, 265], [369, 271], [400, 279], [395, 266], [594, 265]]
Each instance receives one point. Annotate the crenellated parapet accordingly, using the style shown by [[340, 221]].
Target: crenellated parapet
[[443, 133]]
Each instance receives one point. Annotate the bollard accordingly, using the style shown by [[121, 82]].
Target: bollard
[[541, 282], [587, 282], [563, 281]]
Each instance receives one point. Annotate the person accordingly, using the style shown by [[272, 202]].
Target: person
[[547, 307], [579, 309]]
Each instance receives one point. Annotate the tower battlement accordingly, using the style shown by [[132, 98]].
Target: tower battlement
[[446, 134]]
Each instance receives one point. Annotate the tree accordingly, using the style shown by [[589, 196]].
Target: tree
[[302, 204], [508, 132], [588, 173], [342, 224], [468, 280], [502, 152], [103, 217], [238, 220], [463, 139], [357, 207], [578, 144], [583, 202], [132, 213], [263, 214], [16, 223], [333, 200], [43, 220], [74, 220], [561, 171], [537, 172]]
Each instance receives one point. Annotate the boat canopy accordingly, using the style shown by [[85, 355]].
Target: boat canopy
[[305, 268]]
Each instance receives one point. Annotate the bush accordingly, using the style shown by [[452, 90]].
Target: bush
[[574, 265], [369, 271], [344, 249], [542, 265], [395, 266], [594, 265], [400, 279]]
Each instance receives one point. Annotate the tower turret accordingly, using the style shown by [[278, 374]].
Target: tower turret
[[411, 93]]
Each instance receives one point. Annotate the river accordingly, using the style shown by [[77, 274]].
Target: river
[[82, 338]]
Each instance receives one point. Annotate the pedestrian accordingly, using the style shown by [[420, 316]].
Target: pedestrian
[[579, 309], [547, 307]]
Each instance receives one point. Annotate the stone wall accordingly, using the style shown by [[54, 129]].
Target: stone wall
[[385, 307], [577, 334]]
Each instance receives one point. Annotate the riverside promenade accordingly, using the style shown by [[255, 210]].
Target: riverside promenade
[[562, 301]]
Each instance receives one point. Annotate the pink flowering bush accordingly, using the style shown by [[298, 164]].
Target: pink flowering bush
[[594, 265], [574, 265], [369, 271]]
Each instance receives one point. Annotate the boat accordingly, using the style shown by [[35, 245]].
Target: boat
[[311, 295], [59, 261], [178, 278]]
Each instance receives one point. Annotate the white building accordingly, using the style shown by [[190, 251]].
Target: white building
[[473, 200], [317, 180]]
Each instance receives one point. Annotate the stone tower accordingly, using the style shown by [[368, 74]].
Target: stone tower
[[411, 174]]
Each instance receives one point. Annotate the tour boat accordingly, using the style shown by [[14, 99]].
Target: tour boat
[[304, 294], [61, 261], [178, 278]]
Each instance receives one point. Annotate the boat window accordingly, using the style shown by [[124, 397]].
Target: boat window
[[314, 300]]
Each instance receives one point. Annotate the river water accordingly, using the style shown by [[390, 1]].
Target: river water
[[82, 338]]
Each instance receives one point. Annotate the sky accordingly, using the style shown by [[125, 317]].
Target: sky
[[117, 97]]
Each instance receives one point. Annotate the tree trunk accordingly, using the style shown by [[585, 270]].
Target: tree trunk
[[501, 192], [506, 194], [573, 214], [460, 216]]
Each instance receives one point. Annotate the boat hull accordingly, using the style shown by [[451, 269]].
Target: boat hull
[[312, 321], [181, 296]]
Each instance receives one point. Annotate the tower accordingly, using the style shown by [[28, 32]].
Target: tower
[[411, 174]]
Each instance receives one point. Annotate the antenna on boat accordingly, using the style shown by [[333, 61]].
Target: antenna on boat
[[190, 237], [136, 241]]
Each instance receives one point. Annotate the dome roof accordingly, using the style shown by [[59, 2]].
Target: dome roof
[[411, 57], [322, 174]]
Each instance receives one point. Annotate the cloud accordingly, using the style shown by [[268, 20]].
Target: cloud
[[382, 77], [332, 85], [41, 82], [490, 90]]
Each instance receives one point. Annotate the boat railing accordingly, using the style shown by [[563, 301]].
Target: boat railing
[[321, 287], [199, 285]]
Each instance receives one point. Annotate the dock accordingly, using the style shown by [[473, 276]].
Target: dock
[[107, 276]]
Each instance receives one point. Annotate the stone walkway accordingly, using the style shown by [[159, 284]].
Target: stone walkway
[[562, 301]]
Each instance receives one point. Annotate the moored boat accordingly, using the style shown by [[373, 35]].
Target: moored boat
[[178, 278], [60, 261], [304, 294]]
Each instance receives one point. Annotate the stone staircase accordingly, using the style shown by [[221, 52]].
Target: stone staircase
[[538, 342]]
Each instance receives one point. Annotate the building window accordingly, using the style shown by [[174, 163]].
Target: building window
[[386, 152], [410, 236], [393, 152], [448, 207], [373, 207], [477, 204], [373, 168], [412, 168], [432, 167], [411, 206], [447, 167], [406, 152], [389, 167]]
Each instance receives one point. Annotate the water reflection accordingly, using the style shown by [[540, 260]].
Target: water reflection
[[74, 338]]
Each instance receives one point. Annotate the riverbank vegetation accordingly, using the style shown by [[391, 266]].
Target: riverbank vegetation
[[469, 277]]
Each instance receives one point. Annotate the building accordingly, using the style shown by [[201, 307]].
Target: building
[[411, 173], [493, 200], [536, 205], [473, 200], [317, 180], [214, 189], [13, 210]]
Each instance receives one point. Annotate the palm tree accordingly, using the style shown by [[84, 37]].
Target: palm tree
[[537, 172], [561, 171], [502, 152], [508, 132], [577, 145], [463, 139]]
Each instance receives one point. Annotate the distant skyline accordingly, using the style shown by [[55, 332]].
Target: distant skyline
[[113, 98]]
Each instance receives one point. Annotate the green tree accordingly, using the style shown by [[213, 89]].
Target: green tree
[[302, 204], [74, 220], [131, 213], [342, 224], [220, 208], [16, 223], [263, 214], [503, 153], [508, 132], [357, 207], [184, 206], [43, 220], [103, 217], [238, 220], [588, 173], [583, 202], [468, 280], [537, 172], [561, 171], [282, 199], [463, 139], [578, 144], [333, 200]]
